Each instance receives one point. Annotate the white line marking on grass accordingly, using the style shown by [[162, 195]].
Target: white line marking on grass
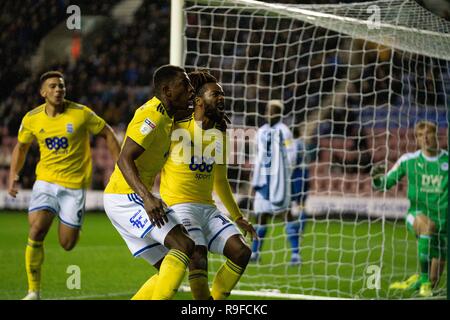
[[274, 294], [267, 294]]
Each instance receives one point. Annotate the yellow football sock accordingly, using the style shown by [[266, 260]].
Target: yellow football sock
[[225, 280], [34, 257], [146, 291], [171, 273], [198, 280]]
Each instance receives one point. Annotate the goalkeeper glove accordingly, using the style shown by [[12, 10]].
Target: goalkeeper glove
[[378, 171]]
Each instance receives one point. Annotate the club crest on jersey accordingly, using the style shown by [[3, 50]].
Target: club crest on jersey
[[69, 128], [444, 166], [147, 126], [138, 221]]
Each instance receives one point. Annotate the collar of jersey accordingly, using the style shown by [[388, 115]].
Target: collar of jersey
[[435, 158], [162, 104], [59, 114]]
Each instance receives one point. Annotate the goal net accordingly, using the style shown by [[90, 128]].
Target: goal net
[[354, 80]]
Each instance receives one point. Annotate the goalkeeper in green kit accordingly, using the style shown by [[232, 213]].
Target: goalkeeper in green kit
[[427, 174]]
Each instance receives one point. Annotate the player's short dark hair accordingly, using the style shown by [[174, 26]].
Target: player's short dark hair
[[48, 75], [164, 75], [199, 78]]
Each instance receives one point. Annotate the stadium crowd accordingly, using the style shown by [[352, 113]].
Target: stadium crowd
[[111, 82]]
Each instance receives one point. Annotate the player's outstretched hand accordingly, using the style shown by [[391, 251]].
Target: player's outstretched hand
[[155, 210], [246, 227], [13, 188], [377, 171]]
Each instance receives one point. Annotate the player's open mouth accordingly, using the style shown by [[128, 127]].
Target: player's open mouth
[[191, 102]]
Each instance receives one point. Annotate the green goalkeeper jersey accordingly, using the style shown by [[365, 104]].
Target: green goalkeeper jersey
[[427, 183]]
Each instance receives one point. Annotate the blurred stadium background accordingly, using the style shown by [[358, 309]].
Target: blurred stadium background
[[108, 66]]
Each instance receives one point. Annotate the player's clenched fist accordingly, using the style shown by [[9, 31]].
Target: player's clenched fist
[[246, 226], [13, 189]]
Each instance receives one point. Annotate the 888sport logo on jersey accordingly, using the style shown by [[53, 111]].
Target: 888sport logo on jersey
[[56, 143]]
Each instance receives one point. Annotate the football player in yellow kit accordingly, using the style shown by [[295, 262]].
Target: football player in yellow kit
[[150, 230], [61, 128], [187, 183]]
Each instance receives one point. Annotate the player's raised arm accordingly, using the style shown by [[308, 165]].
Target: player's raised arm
[[153, 206], [17, 161], [111, 141]]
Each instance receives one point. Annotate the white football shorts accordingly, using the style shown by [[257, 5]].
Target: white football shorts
[[261, 205], [127, 214], [206, 225], [68, 204]]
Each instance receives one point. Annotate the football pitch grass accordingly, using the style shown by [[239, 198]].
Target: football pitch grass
[[340, 259]]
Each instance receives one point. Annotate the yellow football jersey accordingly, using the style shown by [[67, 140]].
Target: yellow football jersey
[[188, 174], [63, 143], [150, 128]]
